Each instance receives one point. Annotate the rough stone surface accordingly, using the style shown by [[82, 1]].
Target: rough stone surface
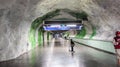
[[16, 17]]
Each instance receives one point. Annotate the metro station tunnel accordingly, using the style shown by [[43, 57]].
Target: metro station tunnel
[[59, 33]]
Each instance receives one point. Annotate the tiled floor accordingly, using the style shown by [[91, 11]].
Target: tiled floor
[[57, 55]]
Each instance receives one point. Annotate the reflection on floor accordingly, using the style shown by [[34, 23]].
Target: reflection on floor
[[57, 54]]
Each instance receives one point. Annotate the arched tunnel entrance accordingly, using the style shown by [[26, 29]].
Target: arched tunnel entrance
[[35, 34], [60, 56]]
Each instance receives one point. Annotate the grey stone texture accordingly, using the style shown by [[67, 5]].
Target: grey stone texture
[[16, 17], [15, 21]]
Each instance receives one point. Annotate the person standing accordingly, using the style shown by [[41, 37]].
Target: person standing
[[116, 43]]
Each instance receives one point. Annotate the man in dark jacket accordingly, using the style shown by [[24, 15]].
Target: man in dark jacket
[[72, 45]]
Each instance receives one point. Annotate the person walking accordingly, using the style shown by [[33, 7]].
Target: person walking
[[72, 45], [116, 43]]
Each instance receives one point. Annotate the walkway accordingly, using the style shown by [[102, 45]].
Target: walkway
[[57, 54]]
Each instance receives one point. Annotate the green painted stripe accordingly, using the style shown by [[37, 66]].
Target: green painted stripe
[[32, 37], [40, 41], [94, 32], [81, 33]]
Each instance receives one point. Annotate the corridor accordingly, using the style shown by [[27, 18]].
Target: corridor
[[56, 54]]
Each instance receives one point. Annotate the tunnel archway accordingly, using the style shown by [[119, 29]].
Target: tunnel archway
[[36, 25], [16, 18]]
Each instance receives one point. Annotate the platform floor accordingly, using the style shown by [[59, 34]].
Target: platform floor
[[56, 54]]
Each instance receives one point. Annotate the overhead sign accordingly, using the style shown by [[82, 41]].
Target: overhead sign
[[67, 25]]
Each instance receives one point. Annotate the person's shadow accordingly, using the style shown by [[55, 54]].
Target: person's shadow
[[72, 54]]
